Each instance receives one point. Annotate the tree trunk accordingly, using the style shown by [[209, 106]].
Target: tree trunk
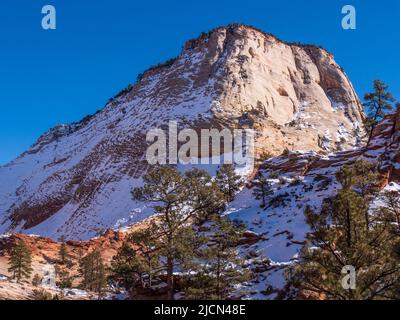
[[219, 277], [349, 226], [170, 278], [367, 219]]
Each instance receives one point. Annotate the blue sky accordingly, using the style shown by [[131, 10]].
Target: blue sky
[[99, 46]]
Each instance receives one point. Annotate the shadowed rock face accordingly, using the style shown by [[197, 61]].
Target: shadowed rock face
[[76, 179]]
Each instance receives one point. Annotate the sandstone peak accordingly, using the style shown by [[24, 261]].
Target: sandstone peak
[[77, 178]]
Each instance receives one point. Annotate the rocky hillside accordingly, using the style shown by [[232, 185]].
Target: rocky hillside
[[301, 179], [275, 233], [76, 179], [45, 256]]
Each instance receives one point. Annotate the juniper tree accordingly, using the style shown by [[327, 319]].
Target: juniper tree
[[262, 188], [20, 263], [220, 269], [377, 103], [177, 200], [228, 181], [339, 237]]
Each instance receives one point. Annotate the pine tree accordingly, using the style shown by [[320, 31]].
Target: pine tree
[[377, 103], [262, 188], [65, 279], [101, 282], [208, 198], [228, 181], [147, 255], [93, 273], [340, 237], [220, 269], [63, 253], [86, 271], [366, 178], [178, 199], [363, 178], [124, 268], [20, 263], [390, 209], [137, 261]]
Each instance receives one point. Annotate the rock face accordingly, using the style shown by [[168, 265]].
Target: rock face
[[45, 255], [76, 179]]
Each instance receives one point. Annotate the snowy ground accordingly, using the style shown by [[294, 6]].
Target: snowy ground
[[282, 226]]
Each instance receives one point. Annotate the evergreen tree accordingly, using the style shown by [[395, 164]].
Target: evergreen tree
[[124, 268], [377, 103], [366, 178], [208, 198], [63, 253], [101, 282], [93, 273], [390, 209], [228, 181], [262, 188], [137, 261], [20, 263], [65, 279], [178, 199], [219, 270], [363, 178], [340, 237], [147, 253]]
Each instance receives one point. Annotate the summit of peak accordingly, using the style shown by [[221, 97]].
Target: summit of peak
[[241, 29]]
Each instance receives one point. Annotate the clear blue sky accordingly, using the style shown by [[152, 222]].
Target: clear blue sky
[[53, 77]]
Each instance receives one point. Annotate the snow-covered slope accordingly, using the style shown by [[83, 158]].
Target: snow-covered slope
[[305, 179], [76, 179], [275, 233]]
